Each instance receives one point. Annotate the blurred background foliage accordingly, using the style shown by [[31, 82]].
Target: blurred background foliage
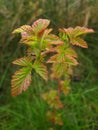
[[62, 13]]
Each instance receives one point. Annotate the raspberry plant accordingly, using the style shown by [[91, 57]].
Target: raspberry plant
[[41, 42]]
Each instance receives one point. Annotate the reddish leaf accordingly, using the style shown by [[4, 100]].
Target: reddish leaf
[[40, 25], [74, 34], [77, 31], [81, 30], [79, 42], [71, 52]]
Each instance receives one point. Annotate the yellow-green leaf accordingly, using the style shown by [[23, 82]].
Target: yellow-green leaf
[[71, 61], [24, 61], [71, 52], [22, 29], [41, 69], [21, 81], [58, 69]]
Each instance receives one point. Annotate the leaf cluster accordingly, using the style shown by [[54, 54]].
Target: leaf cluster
[[63, 57]]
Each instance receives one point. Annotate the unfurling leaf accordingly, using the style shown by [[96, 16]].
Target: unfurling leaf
[[21, 80], [41, 70], [24, 61]]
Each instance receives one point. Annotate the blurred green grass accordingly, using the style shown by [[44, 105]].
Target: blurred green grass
[[28, 110]]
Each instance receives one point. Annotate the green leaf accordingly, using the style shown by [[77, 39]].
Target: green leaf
[[41, 70], [21, 80], [59, 69], [24, 61]]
